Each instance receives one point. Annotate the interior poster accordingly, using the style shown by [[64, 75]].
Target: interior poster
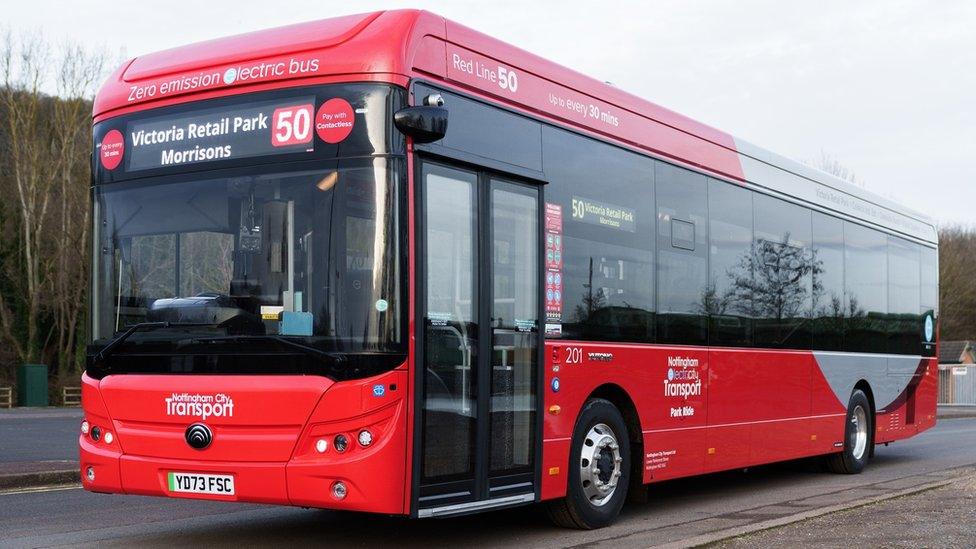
[[554, 269]]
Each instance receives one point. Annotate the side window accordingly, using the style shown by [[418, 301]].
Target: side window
[[731, 294], [682, 255], [903, 297], [784, 267], [865, 283], [604, 197], [929, 299], [830, 305]]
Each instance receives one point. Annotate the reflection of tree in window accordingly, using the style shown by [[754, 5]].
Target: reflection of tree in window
[[152, 259], [772, 283], [206, 263], [829, 304], [591, 301]]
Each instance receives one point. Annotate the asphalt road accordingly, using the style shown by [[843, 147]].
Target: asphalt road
[[677, 510], [39, 434]]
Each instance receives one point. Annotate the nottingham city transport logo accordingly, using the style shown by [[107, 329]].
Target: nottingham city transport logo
[[199, 406], [683, 379]]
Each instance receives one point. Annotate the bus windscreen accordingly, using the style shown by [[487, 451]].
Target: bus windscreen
[[307, 255]]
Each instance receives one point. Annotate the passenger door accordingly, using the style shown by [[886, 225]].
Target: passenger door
[[479, 349]]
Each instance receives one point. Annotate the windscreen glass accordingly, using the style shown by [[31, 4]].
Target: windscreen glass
[[309, 254]]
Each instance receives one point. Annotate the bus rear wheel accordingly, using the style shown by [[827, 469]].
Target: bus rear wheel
[[858, 437], [599, 469]]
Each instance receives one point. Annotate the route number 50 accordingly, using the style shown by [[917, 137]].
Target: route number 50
[[507, 79], [291, 125]]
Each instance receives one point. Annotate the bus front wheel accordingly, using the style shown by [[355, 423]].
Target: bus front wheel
[[599, 469], [858, 437]]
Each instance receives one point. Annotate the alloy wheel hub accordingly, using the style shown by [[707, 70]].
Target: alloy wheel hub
[[600, 464]]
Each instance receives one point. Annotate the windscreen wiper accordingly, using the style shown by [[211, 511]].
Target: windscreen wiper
[[111, 346], [333, 358]]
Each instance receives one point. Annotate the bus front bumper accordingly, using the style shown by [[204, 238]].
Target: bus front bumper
[[368, 474], [370, 485]]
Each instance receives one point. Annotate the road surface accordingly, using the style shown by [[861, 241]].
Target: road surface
[[39, 434], [677, 510]]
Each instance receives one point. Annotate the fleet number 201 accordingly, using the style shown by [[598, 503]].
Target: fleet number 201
[[574, 355]]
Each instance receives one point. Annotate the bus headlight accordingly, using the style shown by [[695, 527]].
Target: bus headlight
[[85, 427], [340, 443], [365, 438], [321, 445], [90, 474]]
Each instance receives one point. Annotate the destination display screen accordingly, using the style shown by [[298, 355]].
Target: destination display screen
[[220, 133]]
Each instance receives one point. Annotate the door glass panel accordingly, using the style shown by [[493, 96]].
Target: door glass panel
[[451, 324], [514, 323]]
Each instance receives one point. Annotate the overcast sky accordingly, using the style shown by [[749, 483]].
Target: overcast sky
[[887, 87]]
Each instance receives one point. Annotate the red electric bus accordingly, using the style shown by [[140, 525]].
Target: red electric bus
[[386, 263]]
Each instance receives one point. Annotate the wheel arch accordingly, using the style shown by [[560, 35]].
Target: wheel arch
[[865, 387]]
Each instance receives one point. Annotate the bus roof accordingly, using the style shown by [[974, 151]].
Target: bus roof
[[396, 46]]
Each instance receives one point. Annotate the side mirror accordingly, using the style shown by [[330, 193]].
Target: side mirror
[[423, 123]]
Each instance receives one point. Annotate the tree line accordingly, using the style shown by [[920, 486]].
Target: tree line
[[957, 283], [45, 224]]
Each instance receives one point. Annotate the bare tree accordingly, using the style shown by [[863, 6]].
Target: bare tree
[[23, 62], [44, 226], [78, 73]]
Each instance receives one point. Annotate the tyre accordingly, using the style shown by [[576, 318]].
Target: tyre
[[858, 437], [599, 469]]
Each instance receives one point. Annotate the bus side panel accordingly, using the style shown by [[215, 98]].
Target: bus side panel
[[827, 415], [927, 396], [667, 388], [758, 407], [555, 467], [763, 406], [673, 411], [563, 393], [914, 409]]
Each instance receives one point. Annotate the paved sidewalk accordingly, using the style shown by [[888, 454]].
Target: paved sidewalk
[[942, 517], [22, 474]]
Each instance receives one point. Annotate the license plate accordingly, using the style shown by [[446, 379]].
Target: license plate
[[199, 483]]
